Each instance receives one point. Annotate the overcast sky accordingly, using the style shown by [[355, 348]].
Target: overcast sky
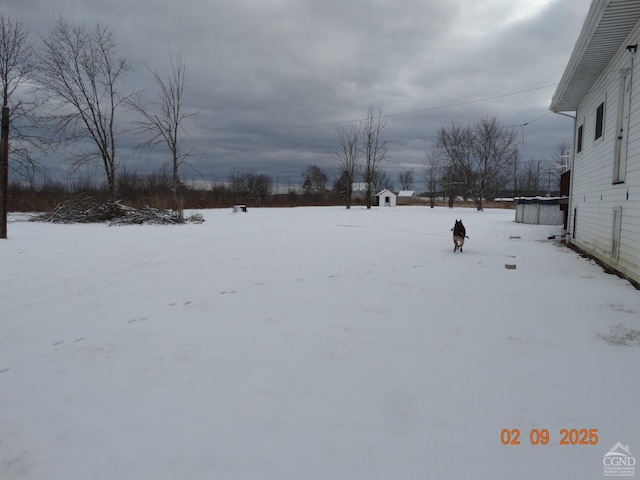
[[272, 79]]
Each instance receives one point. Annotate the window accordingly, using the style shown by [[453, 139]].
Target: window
[[599, 120], [579, 140]]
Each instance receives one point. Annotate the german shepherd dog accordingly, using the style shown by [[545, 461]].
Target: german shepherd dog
[[459, 234]]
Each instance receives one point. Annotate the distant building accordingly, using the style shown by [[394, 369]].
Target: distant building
[[359, 188], [604, 177], [386, 198], [405, 196]]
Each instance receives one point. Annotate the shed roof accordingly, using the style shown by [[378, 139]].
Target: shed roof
[[406, 193], [605, 28], [386, 191]]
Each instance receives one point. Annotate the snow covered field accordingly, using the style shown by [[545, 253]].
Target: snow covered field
[[309, 343]]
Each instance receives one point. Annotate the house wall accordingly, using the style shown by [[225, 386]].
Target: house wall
[[594, 195]]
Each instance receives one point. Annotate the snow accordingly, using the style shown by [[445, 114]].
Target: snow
[[309, 343]]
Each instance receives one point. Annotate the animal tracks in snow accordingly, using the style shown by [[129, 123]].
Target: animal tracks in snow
[[621, 307], [139, 319], [60, 342], [520, 338]]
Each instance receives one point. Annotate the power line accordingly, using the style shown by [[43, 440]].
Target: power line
[[530, 121], [458, 104]]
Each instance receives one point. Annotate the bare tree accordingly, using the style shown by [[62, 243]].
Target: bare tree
[[455, 145], [16, 53], [79, 68], [164, 123], [529, 177], [16, 73], [406, 179], [382, 181], [374, 148], [15, 66], [496, 150], [251, 186], [314, 180], [433, 163], [481, 156], [347, 155]]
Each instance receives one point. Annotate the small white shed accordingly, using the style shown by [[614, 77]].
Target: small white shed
[[386, 198]]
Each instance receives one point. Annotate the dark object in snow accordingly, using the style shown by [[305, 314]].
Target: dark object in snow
[[459, 234], [239, 208]]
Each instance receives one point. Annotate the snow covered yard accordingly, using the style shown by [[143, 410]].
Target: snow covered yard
[[310, 343]]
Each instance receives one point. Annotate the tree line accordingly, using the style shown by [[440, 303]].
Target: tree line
[[475, 161], [68, 93]]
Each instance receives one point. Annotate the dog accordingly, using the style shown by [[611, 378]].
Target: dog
[[459, 234]]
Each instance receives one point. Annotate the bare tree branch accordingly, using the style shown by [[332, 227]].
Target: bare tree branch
[[164, 123], [480, 157], [347, 155], [16, 75], [433, 162], [78, 67], [406, 179], [374, 148]]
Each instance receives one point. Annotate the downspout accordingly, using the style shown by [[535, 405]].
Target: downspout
[[571, 175], [632, 53]]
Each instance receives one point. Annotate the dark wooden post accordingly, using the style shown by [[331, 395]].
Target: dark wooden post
[[4, 172]]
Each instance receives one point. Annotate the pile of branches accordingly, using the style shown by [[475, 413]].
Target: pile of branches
[[90, 210]]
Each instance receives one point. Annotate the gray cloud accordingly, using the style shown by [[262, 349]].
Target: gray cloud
[[265, 75]]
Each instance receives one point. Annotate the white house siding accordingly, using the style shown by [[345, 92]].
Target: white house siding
[[594, 196]]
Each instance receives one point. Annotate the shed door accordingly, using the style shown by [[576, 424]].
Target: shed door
[[617, 223]]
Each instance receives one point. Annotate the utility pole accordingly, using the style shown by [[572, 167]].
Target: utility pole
[[4, 172], [515, 177]]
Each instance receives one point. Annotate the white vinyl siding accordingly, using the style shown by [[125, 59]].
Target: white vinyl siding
[[594, 193]]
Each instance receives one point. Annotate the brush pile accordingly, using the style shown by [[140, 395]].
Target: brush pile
[[90, 210]]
